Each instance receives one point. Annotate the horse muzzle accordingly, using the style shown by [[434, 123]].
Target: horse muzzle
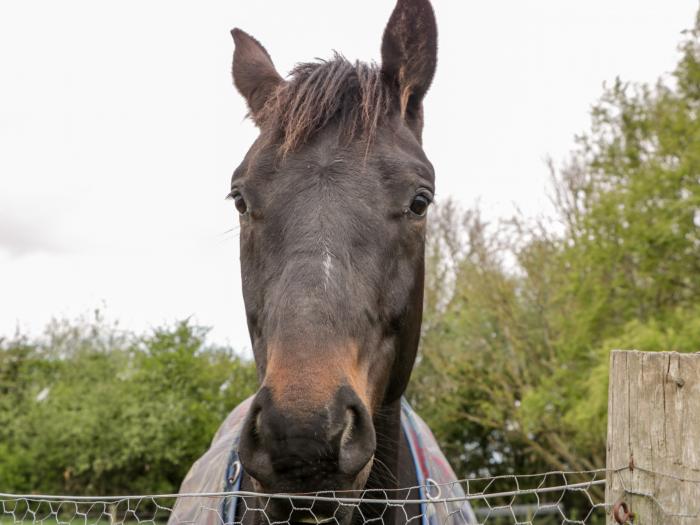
[[290, 450]]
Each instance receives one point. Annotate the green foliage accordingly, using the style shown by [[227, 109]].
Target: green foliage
[[88, 409], [520, 321]]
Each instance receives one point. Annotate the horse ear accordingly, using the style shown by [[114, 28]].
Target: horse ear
[[409, 54], [254, 74]]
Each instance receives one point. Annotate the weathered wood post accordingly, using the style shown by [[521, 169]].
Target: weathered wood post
[[653, 449]]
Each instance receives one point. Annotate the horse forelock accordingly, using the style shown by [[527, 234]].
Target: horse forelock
[[317, 93]]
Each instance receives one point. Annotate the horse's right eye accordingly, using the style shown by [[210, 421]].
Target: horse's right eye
[[239, 202]]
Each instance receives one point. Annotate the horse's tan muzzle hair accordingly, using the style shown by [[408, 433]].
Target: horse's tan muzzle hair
[[309, 428]]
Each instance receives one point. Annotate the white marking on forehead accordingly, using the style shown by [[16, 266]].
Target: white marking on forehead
[[327, 265]]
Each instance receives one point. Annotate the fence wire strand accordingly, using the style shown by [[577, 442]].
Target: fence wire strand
[[542, 499]]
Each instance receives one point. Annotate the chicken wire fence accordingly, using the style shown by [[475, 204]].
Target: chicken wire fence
[[543, 499], [553, 497]]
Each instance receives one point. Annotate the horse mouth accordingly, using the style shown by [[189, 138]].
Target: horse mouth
[[329, 513], [315, 520]]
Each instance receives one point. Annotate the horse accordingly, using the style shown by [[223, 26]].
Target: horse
[[333, 198]]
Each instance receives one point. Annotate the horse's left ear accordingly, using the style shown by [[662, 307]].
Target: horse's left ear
[[409, 56]]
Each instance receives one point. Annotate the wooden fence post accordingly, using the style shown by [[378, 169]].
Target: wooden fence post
[[653, 448]]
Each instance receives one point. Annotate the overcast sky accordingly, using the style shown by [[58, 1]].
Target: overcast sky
[[119, 131]]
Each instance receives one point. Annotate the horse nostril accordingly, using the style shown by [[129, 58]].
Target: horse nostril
[[258, 423], [348, 427], [254, 458], [357, 442]]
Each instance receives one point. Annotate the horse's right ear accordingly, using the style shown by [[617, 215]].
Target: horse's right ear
[[254, 74]]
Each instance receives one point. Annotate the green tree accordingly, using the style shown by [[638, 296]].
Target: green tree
[[512, 373]]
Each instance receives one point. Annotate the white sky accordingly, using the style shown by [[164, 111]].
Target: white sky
[[119, 130]]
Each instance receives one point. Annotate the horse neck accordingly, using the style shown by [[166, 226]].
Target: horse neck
[[387, 426], [392, 469]]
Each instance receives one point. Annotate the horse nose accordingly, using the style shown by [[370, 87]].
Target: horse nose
[[288, 449]]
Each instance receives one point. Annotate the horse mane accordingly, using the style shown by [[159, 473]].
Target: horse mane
[[354, 95]]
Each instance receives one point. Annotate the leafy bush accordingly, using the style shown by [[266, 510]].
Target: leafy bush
[[89, 409]]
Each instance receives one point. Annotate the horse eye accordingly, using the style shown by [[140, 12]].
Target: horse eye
[[420, 205], [240, 204]]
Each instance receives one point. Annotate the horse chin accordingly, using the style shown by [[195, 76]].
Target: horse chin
[[318, 520], [314, 512], [343, 516], [291, 511]]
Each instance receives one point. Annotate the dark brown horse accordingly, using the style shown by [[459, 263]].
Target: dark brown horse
[[333, 199]]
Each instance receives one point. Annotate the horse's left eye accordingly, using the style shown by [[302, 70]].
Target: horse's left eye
[[420, 205], [239, 202]]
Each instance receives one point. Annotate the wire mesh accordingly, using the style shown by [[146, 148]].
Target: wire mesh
[[544, 499]]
